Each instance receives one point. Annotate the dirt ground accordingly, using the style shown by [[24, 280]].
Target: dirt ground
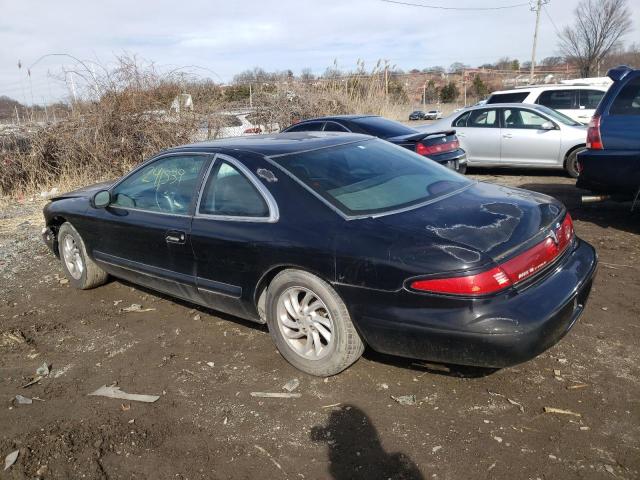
[[466, 424]]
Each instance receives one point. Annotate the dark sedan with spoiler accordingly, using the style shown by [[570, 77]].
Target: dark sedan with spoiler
[[440, 146], [336, 241]]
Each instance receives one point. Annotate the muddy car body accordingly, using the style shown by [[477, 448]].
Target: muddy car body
[[337, 241]]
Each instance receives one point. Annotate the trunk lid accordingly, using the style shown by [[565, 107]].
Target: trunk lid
[[482, 224]]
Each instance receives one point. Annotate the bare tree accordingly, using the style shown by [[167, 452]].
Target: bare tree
[[599, 25]]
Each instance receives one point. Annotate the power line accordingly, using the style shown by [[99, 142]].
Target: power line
[[544, 7], [438, 7]]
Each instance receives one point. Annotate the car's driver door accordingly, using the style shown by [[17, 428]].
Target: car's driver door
[[144, 234]]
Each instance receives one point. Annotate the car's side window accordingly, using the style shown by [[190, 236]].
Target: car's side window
[[516, 97], [228, 192], [483, 119], [334, 127], [558, 99], [461, 121], [166, 185], [307, 127], [590, 99], [628, 100], [520, 118]]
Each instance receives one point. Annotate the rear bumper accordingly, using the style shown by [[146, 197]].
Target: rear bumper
[[609, 171], [453, 160], [495, 332]]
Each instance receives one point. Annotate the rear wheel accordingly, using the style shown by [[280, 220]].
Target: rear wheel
[[80, 270], [571, 163], [310, 324]]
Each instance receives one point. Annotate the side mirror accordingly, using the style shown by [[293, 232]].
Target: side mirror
[[101, 199], [548, 126]]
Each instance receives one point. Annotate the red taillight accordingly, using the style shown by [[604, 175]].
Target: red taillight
[[481, 284], [426, 150], [508, 273], [594, 140]]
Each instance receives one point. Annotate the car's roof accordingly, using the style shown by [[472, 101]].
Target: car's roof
[[336, 117], [539, 88], [486, 106], [276, 144]]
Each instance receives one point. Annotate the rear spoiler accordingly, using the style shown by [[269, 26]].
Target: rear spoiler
[[618, 73], [417, 137]]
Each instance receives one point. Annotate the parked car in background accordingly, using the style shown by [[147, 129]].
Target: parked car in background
[[441, 146], [336, 241], [576, 101], [517, 135], [417, 115], [611, 163], [433, 115]]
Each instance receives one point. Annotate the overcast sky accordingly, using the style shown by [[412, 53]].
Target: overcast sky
[[229, 36]]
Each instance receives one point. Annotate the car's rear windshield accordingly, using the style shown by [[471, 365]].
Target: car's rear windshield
[[515, 97], [382, 127], [371, 176]]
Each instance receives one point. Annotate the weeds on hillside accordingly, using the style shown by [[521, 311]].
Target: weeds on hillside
[[125, 117], [125, 120]]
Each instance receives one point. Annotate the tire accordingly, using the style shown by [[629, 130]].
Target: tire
[[462, 169], [81, 271], [571, 163], [324, 358]]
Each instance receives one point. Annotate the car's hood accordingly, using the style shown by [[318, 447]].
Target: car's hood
[[87, 191], [481, 224]]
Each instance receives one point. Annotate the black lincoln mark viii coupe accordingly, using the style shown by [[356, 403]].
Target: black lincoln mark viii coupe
[[336, 241]]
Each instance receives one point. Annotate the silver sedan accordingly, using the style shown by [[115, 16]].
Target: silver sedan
[[518, 135]]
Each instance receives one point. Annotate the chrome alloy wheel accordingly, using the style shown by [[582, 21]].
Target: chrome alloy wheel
[[72, 257], [305, 323]]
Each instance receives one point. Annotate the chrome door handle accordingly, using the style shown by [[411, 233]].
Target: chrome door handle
[[507, 135], [175, 237]]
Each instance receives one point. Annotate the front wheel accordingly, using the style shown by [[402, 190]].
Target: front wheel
[[571, 163], [80, 270], [310, 324]]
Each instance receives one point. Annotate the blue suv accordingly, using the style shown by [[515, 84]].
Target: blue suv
[[611, 163]]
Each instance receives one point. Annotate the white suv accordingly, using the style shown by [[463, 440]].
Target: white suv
[[576, 101]]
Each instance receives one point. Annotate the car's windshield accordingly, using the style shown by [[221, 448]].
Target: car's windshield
[[382, 127], [371, 177], [560, 117]]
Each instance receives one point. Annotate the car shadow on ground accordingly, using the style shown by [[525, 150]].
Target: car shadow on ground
[[419, 366], [193, 306], [422, 366], [355, 451]]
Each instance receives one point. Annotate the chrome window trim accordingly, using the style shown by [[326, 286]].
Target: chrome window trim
[[304, 123], [274, 212], [133, 209], [158, 157], [346, 130]]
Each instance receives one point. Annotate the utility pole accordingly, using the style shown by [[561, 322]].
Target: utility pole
[[424, 95], [464, 84], [537, 9]]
